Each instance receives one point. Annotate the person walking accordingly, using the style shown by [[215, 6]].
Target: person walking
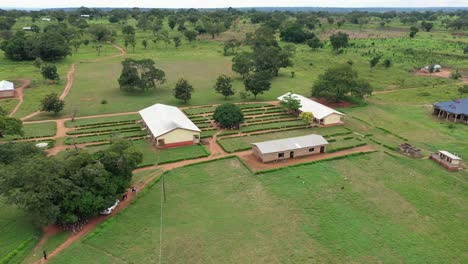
[[45, 254]]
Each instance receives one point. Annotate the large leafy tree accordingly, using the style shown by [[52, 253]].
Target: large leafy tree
[[183, 90], [228, 116], [242, 63], [52, 103], [295, 33], [339, 40], [257, 83], [49, 72], [290, 103], [224, 86], [68, 189], [140, 75], [339, 81]]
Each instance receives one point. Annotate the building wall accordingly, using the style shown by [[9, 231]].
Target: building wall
[[297, 153], [4, 94], [179, 136], [332, 119]]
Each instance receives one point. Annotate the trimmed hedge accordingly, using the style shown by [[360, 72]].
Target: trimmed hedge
[[347, 147], [101, 130], [391, 133], [20, 249]]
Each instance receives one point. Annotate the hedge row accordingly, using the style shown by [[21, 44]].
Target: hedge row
[[20, 249], [347, 147], [98, 124], [391, 133], [316, 161], [274, 125], [103, 130], [359, 119], [382, 144], [101, 137]]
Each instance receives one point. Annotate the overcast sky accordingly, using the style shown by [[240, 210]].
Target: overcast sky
[[233, 3]]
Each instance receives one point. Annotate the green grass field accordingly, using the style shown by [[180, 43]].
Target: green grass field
[[36, 130], [296, 214]]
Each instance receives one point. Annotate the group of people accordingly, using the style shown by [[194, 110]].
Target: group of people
[[125, 196]]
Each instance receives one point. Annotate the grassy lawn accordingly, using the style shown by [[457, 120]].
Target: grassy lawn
[[390, 217], [243, 142], [105, 136], [37, 130], [8, 104], [102, 120], [17, 232]]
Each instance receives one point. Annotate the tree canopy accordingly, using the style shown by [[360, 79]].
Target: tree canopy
[[290, 103], [338, 82], [140, 75], [183, 90], [68, 189], [339, 40], [228, 116], [52, 103], [9, 125], [224, 86], [257, 83]]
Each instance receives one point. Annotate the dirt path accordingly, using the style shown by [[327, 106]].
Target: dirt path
[[19, 93], [71, 77], [99, 219]]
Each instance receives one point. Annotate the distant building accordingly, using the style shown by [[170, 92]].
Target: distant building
[[7, 89], [435, 67], [85, 16], [46, 19], [323, 115], [455, 111], [289, 148], [27, 28], [447, 159], [169, 127]]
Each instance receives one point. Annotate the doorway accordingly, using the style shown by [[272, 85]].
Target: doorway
[[291, 154], [322, 149]]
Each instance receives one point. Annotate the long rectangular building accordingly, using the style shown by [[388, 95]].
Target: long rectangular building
[[455, 111], [289, 148]]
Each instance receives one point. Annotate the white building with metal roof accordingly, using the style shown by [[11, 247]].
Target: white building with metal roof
[[323, 115], [289, 148], [169, 127], [7, 89]]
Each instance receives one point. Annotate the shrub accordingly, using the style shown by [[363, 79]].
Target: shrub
[[228, 116], [103, 101]]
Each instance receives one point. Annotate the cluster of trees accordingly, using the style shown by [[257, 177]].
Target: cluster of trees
[[68, 189], [140, 75], [9, 125]]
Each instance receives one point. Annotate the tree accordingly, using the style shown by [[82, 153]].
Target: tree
[[76, 44], [183, 90], [339, 81], [456, 75], [463, 90], [38, 63], [9, 125], [128, 30], [144, 43], [257, 83], [228, 116], [374, 61], [224, 86], [465, 50], [314, 43], [191, 35], [99, 32], [130, 40], [172, 21], [290, 103], [68, 189], [339, 40], [140, 75], [295, 33], [49, 72], [427, 26], [52, 103], [307, 117], [413, 31], [242, 63], [177, 41], [231, 46], [52, 46]]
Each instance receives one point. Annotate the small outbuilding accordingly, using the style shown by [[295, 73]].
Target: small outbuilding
[[85, 16], [455, 111], [46, 19], [169, 127], [7, 89], [289, 148], [27, 28], [323, 115], [435, 68], [447, 159]]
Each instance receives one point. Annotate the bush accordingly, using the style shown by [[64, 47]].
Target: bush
[[103, 101], [228, 116]]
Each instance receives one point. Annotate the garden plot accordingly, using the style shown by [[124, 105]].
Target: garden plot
[[35, 130], [111, 120]]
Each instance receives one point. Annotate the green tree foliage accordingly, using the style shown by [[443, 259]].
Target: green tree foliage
[[177, 41], [6, 23], [314, 43], [295, 33], [413, 31], [257, 83], [463, 90], [427, 26], [339, 81], [231, 46], [68, 189], [228, 116], [49, 72], [224, 86], [52, 103], [290, 103], [140, 75], [374, 61], [9, 125], [144, 43], [242, 63], [128, 30], [307, 116], [183, 90], [339, 40], [387, 63], [191, 35], [99, 32]]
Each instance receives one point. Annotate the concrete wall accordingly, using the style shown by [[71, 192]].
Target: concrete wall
[[275, 156], [178, 136], [5, 94]]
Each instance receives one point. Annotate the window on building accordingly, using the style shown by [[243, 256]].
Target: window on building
[[311, 150], [280, 155]]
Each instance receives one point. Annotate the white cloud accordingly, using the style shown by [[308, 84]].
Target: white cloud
[[233, 3]]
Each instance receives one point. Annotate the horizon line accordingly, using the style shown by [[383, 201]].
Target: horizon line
[[239, 7]]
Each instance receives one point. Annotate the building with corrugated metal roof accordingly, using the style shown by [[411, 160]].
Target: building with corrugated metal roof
[[455, 111], [289, 148]]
